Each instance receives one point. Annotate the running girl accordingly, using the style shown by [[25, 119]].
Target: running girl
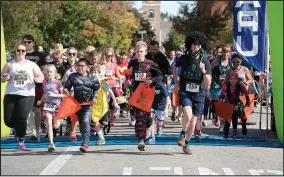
[[231, 91], [53, 94]]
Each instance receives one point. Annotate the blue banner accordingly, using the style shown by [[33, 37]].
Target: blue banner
[[250, 32]]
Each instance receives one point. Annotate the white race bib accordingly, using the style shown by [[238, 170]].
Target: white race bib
[[140, 76], [49, 107], [192, 87], [108, 72], [21, 78]]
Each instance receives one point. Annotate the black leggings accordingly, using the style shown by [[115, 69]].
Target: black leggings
[[235, 118], [16, 112]]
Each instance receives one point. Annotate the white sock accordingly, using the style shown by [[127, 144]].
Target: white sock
[[100, 134]]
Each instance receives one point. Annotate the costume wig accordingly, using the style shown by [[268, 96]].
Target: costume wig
[[196, 37]]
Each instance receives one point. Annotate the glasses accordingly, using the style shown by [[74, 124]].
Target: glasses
[[28, 42], [109, 55], [71, 54], [19, 50]]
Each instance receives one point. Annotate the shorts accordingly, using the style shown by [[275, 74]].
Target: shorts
[[195, 101], [159, 114], [57, 106]]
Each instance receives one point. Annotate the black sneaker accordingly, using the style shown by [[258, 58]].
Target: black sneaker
[[173, 118], [35, 139]]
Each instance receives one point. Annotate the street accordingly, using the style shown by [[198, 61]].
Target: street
[[120, 156]]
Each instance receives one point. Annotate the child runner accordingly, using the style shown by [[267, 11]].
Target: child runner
[[161, 100], [231, 91], [53, 93]]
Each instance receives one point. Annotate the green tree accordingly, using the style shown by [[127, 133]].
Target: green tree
[[174, 41], [164, 16]]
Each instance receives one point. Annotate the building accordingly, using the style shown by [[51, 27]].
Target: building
[[210, 7], [151, 11]]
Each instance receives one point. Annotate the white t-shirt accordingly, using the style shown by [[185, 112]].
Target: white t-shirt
[[22, 79]]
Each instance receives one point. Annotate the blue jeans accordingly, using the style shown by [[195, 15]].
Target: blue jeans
[[84, 118]]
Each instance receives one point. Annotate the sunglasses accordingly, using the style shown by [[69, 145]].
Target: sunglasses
[[28, 42], [71, 54], [19, 50], [109, 55]]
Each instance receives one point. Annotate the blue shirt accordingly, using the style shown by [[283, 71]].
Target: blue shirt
[[160, 98]]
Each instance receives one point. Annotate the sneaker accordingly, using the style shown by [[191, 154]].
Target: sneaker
[[225, 138], [84, 148], [197, 137], [21, 146], [173, 117], [35, 139], [101, 141], [159, 131], [151, 141], [51, 148], [132, 123], [179, 119], [186, 149], [141, 145], [221, 129], [204, 124], [181, 139]]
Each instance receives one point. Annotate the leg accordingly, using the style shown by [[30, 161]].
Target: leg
[[84, 117], [9, 106], [49, 119], [226, 129], [235, 124]]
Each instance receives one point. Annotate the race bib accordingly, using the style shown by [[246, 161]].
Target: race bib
[[21, 79], [192, 87], [140, 76], [222, 77], [49, 107], [108, 72]]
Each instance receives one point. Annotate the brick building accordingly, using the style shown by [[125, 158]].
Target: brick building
[[151, 11]]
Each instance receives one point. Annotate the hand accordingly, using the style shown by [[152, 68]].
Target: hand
[[129, 71], [116, 106], [94, 102], [6, 77], [51, 94], [38, 102], [223, 100], [202, 67], [148, 82]]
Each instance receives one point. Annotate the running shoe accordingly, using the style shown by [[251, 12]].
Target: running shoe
[[84, 148], [186, 149], [35, 139], [225, 138], [197, 137], [235, 133], [21, 146], [51, 148], [181, 139], [204, 124], [221, 129], [173, 117], [101, 141], [141, 145], [151, 141]]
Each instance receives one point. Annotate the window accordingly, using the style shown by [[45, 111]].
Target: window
[[151, 13]]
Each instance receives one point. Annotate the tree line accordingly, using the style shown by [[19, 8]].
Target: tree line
[[77, 23]]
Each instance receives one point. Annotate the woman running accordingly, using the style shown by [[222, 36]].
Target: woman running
[[20, 92], [139, 70], [53, 94], [231, 92]]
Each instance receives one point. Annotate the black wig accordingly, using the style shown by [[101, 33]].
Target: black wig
[[196, 37]]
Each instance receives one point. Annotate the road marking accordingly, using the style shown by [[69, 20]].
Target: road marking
[[178, 171], [256, 171], [160, 168], [228, 171], [277, 172], [127, 171], [54, 167], [206, 171]]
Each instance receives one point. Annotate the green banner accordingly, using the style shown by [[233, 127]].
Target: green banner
[[275, 17]]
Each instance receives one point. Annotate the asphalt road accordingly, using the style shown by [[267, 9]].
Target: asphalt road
[[126, 159]]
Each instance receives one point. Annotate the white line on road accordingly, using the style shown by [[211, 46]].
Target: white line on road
[[54, 167], [277, 172], [228, 171], [256, 171], [206, 171], [160, 168], [178, 171], [127, 171]]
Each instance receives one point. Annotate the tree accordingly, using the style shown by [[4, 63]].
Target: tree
[[164, 16], [174, 41]]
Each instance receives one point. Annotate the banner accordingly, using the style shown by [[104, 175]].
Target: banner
[[250, 32]]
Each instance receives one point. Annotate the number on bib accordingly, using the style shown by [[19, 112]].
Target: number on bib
[[140, 76], [49, 107], [192, 87], [108, 72]]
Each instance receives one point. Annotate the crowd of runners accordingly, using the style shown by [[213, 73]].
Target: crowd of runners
[[37, 82]]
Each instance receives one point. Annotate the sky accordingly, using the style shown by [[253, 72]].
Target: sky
[[166, 6]]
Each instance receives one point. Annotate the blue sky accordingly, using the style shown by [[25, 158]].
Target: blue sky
[[166, 6]]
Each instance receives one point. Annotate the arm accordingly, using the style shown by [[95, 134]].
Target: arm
[[5, 70], [113, 98], [214, 63], [248, 76], [38, 75], [245, 92], [69, 84], [96, 86], [207, 74], [60, 95], [119, 77]]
